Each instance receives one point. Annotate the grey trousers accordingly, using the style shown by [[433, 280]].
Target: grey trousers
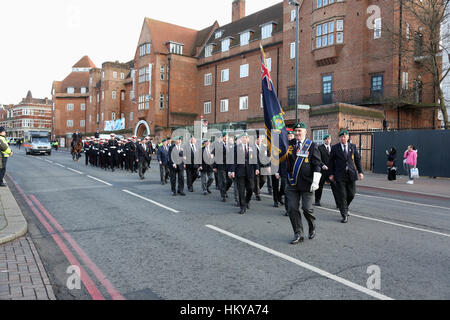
[[207, 180], [293, 197]]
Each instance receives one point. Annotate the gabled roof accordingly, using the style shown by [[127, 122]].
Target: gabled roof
[[85, 62], [163, 32], [273, 14], [203, 36]]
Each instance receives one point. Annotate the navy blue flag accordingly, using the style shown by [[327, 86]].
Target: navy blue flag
[[273, 115]]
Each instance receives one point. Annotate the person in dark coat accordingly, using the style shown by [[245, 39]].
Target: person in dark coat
[[392, 164], [142, 158], [303, 165], [221, 149], [244, 169], [163, 160], [345, 167], [177, 167], [325, 151], [193, 162]]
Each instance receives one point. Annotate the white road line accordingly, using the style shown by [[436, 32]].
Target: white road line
[[401, 201], [48, 161], [304, 265], [60, 165], [387, 222], [151, 201], [96, 179], [75, 171]]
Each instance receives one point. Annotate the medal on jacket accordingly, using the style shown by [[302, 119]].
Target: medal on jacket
[[302, 156]]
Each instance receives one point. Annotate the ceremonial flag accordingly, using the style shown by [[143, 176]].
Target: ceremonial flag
[[273, 115]]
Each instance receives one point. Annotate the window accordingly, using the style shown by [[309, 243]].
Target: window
[[291, 96], [144, 49], [176, 48], [226, 45], [322, 3], [376, 88], [269, 64], [122, 75], [142, 75], [69, 124], [98, 97], [208, 51], [405, 80], [70, 90], [122, 95], [162, 71], [115, 74], [292, 55], [103, 95], [208, 79], [70, 107], [243, 103], [103, 74], [245, 38], [83, 107], [114, 94], [244, 71], [103, 116], [327, 89], [207, 107], [293, 14], [147, 46], [224, 105], [83, 90], [225, 75], [408, 31], [113, 116], [325, 33], [131, 116], [98, 118], [266, 31], [318, 135], [218, 34], [161, 101], [82, 123], [90, 118], [377, 29], [90, 99]]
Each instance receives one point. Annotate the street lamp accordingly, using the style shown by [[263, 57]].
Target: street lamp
[[297, 14]]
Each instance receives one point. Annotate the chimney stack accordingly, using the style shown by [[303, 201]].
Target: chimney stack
[[238, 11]]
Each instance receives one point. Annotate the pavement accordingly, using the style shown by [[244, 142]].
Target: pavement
[[22, 275]]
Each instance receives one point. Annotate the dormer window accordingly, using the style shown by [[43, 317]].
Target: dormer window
[[245, 38], [70, 90], [266, 30], [176, 48], [226, 44], [209, 50], [218, 34]]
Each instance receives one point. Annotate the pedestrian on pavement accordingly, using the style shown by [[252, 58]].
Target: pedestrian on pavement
[[206, 167], [392, 164], [325, 151], [344, 167], [304, 178], [177, 167], [410, 156], [5, 152]]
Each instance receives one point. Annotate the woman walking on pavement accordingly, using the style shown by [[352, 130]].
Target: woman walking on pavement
[[411, 161], [392, 164]]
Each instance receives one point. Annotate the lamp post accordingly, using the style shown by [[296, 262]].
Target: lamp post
[[297, 14]]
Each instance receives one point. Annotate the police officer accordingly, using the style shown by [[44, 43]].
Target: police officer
[[244, 169], [303, 179], [177, 167], [345, 167], [5, 152]]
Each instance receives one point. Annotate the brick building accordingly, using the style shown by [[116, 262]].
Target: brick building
[[71, 99], [31, 114]]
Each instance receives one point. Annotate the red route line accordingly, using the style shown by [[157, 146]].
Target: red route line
[[87, 281], [84, 257]]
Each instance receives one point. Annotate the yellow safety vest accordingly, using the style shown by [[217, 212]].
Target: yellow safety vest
[[7, 152]]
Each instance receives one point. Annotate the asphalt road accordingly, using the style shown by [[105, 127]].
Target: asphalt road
[[135, 241]]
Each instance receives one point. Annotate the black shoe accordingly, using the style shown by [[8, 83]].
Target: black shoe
[[248, 206], [286, 214], [182, 194], [243, 211], [345, 219], [312, 234], [237, 204], [297, 239], [226, 196], [191, 190], [281, 202], [209, 191], [162, 183], [270, 192], [223, 200], [174, 194], [317, 204], [2, 185], [258, 198], [205, 193], [276, 205]]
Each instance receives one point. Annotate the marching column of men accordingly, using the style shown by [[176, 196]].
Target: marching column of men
[[240, 162]]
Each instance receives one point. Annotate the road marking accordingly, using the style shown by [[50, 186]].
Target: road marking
[[48, 161], [60, 165], [418, 193], [96, 179], [91, 265], [87, 281], [151, 201], [402, 201], [75, 171], [387, 222], [304, 265]]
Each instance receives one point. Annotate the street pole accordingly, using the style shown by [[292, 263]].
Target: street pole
[[296, 60]]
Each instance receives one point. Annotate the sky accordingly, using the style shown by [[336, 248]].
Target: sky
[[40, 40]]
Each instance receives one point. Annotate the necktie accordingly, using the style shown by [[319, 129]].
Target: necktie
[[346, 151]]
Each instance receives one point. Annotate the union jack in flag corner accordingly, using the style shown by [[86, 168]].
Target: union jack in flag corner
[[273, 115]]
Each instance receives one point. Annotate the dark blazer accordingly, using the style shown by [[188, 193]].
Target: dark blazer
[[181, 155], [306, 174], [207, 167], [223, 164], [338, 162], [163, 155], [190, 155], [142, 154], [248, 169]]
